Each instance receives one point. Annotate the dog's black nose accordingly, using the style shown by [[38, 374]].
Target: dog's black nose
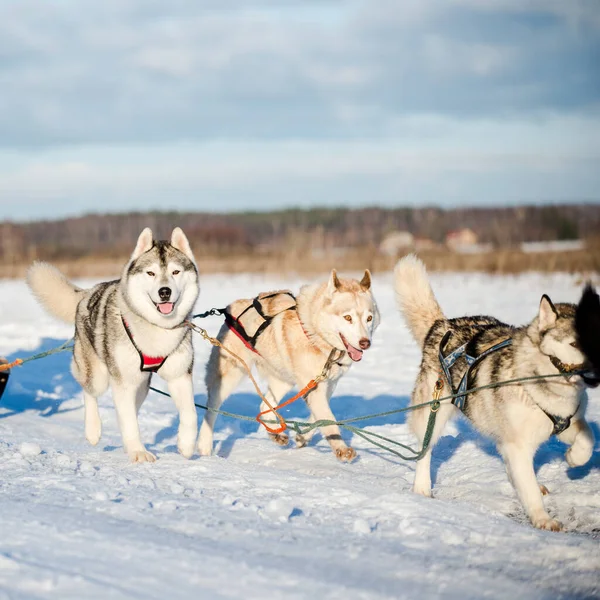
[[364, 344], [164, 293]]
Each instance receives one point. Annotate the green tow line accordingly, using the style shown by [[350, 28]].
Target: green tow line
[[303, 427]]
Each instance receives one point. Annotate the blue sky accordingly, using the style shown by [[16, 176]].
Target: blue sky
[[246, 104]]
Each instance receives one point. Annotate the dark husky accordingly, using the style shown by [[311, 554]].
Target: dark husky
[[518, 417]]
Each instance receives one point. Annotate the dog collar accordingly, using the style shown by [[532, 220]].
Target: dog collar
[[564, 368], [148, 364]]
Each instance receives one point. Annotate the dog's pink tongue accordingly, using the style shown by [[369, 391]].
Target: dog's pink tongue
[[354, 353], [166, 308]]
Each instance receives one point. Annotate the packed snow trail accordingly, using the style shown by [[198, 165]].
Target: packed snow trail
[[258, 521]]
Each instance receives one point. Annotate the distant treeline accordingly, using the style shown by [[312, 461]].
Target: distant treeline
[[295, 230]]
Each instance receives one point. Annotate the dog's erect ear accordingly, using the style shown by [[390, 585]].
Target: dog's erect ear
[[144, 243], [180, 242], [334, 284], [365, 282], [547, 314]]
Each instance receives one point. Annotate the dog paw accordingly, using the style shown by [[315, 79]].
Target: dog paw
[[205, 449], [93, 427], [545, 491], [281, 439], [186, 449], [93, 434], [546, 522], [578, 455], [301, 441], [422, 490], [345, 454], [141, 456]]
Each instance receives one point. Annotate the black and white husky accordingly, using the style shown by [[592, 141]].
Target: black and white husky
[[127, 329], [518, 417]]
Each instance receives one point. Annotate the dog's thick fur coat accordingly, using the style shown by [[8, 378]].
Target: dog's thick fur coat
[[155, 294], [515, 416], [292, 350]]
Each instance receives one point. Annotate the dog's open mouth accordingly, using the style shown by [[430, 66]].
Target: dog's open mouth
[[165, 308], [354, 353]]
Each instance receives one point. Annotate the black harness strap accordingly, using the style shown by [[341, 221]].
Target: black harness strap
[[210, 313], [560, 424], [235, 324], [447, 362], [148, 364], [3, 377], [238, 329]]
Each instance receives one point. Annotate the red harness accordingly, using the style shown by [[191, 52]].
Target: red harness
[[235, 325], [148, 364]]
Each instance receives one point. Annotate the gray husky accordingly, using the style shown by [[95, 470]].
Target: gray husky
[[290, 341], [127, 329], [518, 417]]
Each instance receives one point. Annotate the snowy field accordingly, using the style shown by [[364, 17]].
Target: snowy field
[[257, 521]]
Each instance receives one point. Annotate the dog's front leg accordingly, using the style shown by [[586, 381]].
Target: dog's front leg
[[581, 439], [181, 390], [127, 400], [318, 403], [519, 464]]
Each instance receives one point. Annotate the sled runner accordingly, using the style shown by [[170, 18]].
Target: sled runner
[[3, 376]]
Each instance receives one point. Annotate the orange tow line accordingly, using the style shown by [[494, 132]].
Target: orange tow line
[[334, 356]]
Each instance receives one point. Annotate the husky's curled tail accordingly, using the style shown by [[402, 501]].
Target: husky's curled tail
[[415, 297], [54, 291]]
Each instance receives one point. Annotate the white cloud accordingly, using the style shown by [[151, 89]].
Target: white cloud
[[449, 58], [123, 102], [143, 71], [449, 163]]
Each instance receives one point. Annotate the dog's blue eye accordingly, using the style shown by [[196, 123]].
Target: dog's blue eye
[[151, 273], [176, 272]]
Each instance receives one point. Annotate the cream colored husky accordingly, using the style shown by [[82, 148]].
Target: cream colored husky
[[290, 346]]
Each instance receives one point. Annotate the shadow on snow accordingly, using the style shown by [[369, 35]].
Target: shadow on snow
[[42, 386], [45, 385]]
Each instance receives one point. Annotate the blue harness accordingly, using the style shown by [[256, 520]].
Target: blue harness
[[460, 399], [447, 362]]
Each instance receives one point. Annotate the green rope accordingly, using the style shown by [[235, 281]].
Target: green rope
[[303, 427], [62, 348]]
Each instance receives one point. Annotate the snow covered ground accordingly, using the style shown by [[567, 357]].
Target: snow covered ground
[[259, 521]]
